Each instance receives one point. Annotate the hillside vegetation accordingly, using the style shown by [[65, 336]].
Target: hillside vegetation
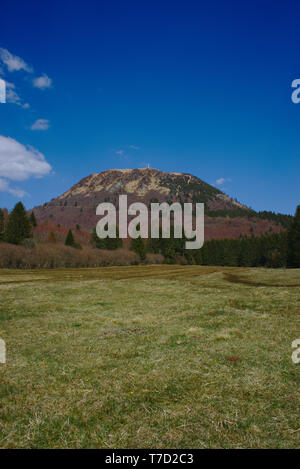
[[78, 204], [24, 244]]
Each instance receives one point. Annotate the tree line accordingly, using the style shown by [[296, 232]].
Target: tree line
[[278, 218], [269, 250]]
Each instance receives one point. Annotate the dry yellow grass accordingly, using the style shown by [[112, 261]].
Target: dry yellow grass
[[149, 356]]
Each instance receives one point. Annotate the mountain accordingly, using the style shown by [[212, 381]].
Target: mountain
[[225, 217]]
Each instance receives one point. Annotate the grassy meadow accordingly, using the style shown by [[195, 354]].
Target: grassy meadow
[[149, 357]]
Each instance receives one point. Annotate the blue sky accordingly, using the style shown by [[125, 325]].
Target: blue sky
[[197, 87]]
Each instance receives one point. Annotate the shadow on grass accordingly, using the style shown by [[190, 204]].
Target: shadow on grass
[[234, 278]]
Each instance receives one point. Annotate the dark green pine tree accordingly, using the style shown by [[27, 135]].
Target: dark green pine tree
[[106, 243], [18, 225], [169, 250], [33, 219], [138, 245], [69, 241], [154, 245], [1, 224], [113, 243], [294, 241], [96, 241]]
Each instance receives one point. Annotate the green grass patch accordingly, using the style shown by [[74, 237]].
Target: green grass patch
[[149, 356]]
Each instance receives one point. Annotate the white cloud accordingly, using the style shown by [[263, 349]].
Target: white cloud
[[16, 192], [13, 62], [13, 97], [3, 185], [2, 91], [40, 124], [134, 147], [18, 162], [42, 82], [221, 181], [120, 152]]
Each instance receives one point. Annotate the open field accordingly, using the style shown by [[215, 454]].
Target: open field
[[149, 356]]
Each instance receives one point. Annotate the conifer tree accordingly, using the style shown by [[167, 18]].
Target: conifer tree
[[18, 225], [113, 243], [106, 243], [294, 241], [69, 241], [1, 224], [154, 245], [96, 241], [52, 237], [138, 245], [33, 219]]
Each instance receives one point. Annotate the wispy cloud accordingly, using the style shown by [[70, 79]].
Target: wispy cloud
[[40, 124], [13, 62], [121, 154], [15, 191], [221, 181], [13, 97], [134, 147], [42, 82]]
